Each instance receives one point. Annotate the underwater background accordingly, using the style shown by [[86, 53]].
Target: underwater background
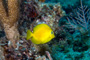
[[69, 20]]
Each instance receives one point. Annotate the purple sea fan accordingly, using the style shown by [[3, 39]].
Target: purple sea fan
[[80, 18]]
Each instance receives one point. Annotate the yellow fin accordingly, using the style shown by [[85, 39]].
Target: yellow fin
[[39, 26], [29, 34]]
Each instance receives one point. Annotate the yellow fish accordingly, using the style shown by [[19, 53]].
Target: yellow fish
[[41, 34]]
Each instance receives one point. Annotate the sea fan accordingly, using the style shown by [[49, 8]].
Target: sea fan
[[81, 17]]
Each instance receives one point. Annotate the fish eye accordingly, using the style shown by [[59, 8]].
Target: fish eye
[[51, 32]]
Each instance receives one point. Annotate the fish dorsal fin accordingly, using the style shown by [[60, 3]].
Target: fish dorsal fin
[[39, 26]]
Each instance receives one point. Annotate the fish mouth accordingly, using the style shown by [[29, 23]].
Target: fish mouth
[[53, 36]]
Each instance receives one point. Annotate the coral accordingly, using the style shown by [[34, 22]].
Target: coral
[[49, 56], [46, 13], [70, 43], [9, 20], [77, 37], [25, 51], [80, 19], [44, 57]]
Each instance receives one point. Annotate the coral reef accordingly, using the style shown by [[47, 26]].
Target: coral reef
[[72, 36], [41, 13], [31, 13], [25, 51]]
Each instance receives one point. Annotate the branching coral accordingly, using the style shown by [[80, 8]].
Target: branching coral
[[80, 19], [9, 20]]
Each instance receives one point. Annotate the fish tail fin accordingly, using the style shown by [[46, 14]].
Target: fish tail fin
[[29, 34]]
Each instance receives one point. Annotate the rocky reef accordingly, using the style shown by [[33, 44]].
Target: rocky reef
[[69, 21]]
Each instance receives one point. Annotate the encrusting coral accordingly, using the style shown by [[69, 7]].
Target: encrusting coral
[[9, 20]]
